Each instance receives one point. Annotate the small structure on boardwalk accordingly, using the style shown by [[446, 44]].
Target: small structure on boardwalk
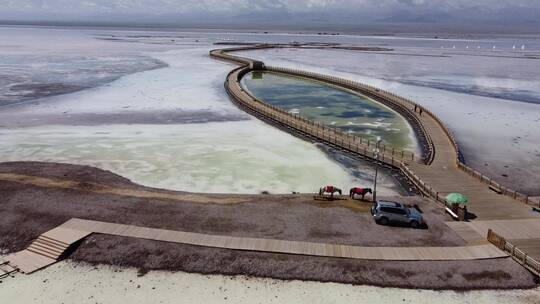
[[457, 204], [256, 65]]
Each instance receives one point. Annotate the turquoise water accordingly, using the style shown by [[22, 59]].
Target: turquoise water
[[334, 107]]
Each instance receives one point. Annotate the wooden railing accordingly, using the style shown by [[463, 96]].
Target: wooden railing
[[517, 254], [242, 61]]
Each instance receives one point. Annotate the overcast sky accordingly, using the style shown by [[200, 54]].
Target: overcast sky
[[505, 12]]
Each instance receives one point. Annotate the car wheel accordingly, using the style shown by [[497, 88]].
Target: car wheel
[[415, 224], [383, 221]]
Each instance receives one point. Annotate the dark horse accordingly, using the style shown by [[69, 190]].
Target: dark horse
[[359, 191], [329, 189]]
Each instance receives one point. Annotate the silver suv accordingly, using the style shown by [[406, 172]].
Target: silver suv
[[385, 212]]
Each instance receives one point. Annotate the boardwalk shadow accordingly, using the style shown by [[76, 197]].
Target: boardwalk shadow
[[404, 225], [470, 216]]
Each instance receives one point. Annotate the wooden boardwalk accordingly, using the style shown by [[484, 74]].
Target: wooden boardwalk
[[471, 236], [50, 246], [438, 172], [509, 229]]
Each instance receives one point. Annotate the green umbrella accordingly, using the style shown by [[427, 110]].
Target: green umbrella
[[457, 198]]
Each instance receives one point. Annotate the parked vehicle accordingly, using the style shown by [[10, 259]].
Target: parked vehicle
[[385, 212]]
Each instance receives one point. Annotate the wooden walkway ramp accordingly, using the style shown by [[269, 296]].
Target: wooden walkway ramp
[[47, 249], [50, 246]]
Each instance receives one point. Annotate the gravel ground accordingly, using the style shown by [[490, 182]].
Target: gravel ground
[[27, 211]]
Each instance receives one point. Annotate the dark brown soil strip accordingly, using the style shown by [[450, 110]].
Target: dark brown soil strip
[[27, 211]]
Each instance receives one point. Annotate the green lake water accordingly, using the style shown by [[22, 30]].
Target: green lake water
[[334, 107]]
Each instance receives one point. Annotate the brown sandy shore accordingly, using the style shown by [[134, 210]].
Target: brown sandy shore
[[27, 210]]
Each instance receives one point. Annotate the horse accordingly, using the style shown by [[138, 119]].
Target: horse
[[359, 191], [329, 189]]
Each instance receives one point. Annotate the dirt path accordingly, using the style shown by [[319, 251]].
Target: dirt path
[[104, 189]]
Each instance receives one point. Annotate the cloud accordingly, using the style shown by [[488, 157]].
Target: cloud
[[328, 10], [186, 6]]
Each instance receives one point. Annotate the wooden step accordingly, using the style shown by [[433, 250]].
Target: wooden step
[[6, 267], [51, 250], [44, 241], [42, 252], [6, 270], [53, 240]]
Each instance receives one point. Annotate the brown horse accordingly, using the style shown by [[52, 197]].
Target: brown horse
[[329, 189], [359, 191]]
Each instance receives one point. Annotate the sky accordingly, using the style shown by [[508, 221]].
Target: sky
[[503, 13]]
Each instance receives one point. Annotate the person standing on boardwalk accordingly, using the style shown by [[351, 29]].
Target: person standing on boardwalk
[[415, 107], [420, 111]]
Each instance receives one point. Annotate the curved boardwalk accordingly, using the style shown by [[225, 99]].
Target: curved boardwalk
[[438, 172]]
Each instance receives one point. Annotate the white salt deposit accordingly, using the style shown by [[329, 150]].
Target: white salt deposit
[[67, 282], [238, 157], [231, 157]]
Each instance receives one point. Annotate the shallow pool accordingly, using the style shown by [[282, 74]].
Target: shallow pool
[[332, 106]]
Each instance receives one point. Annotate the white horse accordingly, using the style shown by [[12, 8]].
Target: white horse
[[329, 189]]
